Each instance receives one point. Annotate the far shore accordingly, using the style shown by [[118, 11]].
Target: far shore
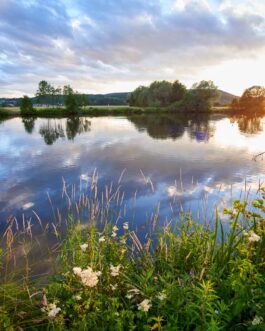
[[103, 111]]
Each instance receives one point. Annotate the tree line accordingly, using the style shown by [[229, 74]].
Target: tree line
[[252, 100], [50, 95], [175, 95]]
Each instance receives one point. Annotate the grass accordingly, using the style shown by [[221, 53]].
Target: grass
[[95, 111], [101, 276]]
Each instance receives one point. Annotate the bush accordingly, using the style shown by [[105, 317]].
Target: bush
[[71, 103], [26, 107]]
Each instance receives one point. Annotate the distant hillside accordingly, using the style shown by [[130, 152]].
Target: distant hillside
[[108, 99], [224, 98]]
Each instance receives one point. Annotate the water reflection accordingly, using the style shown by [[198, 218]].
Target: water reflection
[[166, 126], [29, 123], [52, 130], [164, 164], [199, 128], [249, 124]]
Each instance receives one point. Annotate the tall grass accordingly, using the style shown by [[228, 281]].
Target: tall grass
[[101, 276]]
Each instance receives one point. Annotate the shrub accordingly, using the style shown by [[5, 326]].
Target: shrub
[[26, 107]]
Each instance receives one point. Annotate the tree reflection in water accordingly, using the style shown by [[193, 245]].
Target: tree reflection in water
[[174, 126], [52, 130], [249, 124], [198, 127], [29, 123]]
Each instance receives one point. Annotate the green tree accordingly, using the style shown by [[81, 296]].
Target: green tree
[[253, 99], [160, 93], [201, 96], [26, 107], [139, 97], [71, 103], [178, 91], [43, 91]]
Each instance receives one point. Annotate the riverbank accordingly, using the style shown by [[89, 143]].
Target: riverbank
[[104, 278], [101, 111]]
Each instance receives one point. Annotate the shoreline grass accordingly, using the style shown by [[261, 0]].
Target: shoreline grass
[[103, 111], [181, 277]]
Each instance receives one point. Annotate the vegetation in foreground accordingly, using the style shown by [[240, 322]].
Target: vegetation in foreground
[[186, 277]]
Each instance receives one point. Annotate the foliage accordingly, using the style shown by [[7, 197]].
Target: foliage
[[252, 100], [184, 278], [175, 96], [26, 107]]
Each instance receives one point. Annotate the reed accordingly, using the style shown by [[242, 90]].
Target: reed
[[101, 275]]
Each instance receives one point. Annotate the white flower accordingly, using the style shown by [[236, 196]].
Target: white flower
[[115, 270], [253, 237], [77, 271], [89, 277], [115, 228], [51, 309], [102, 239], [77, 297], [113, 287], [126, 226], [145, 305], [129, 296], [257, 320], [114, 234], [83, 247], [161, 296]]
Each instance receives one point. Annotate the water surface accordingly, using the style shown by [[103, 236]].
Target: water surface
[[169, 163]]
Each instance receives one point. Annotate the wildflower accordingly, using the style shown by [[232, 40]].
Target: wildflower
[[114, 234], [253, 237], [145, 305], [115, 228], [126, 226], [161, 296], [129, 296], [115, 270], [113, 287], [77, 271], [83, 247], [89, 277], [102, 239], [77, 297], [51, 309], [257, 320]]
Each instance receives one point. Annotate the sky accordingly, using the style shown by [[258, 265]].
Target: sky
[[103, 46]]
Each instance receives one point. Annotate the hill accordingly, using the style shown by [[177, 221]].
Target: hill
[[224, 98]]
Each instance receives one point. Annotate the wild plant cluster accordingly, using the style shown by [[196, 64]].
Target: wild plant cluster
[[184, 277]]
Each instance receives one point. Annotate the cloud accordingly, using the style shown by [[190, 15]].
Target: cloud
[[103, 46]]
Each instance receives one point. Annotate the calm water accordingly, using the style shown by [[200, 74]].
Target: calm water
[[170, 163]]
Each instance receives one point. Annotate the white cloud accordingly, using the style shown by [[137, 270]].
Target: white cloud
[[104, 46]]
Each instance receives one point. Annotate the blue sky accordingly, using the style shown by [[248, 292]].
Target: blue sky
[[101, 46]]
